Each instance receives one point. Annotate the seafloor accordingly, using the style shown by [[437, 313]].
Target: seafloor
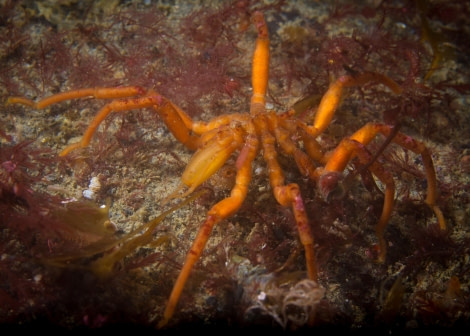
[[74, 251]]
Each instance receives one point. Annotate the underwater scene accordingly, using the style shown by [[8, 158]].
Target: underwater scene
[[272, 165]]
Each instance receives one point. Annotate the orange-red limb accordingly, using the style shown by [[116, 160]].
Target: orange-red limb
[[177, 122], [287, 195], [201, 127], [283, 138], [98, 93], [332, 97], [160, 104], [355, 148], [131, 97], [217, 213], [260, 67], [351, 147]]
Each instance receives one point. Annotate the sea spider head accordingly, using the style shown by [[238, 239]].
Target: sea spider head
[[330, 185]]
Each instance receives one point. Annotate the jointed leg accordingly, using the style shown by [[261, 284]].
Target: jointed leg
[[114, 106], [332, 97], [260, 67], [419, 148], [133, 97], [353, 146], [98, 93], [283, 138], [341, 156], [389, 194], [290, 195], [312, 147], [217, 213], [287, 195]]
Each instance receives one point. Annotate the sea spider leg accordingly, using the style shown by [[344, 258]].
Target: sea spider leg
[[332, 97], [349, 148], [284, 194], [170, 115], [295, 126], [202, 128], [98, 93], [217, 213], [283, 138], [312, 147], [260, 67], [133, 97], [287, 194], [354, 146]]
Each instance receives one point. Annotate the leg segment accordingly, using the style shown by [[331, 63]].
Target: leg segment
[[217, 213], [354, 146], [98, 93], [260, 67], [133, 97], [114, 106], [332, 97], [287, 195], [283, 138], [310, 144], [290, 195], [357, 149]]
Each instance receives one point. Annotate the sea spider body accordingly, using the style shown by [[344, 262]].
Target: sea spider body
[[261, 131]]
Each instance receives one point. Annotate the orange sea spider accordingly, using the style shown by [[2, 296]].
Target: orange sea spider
[[266, 132]]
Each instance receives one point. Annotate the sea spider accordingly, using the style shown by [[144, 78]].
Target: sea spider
[[264, 131]]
